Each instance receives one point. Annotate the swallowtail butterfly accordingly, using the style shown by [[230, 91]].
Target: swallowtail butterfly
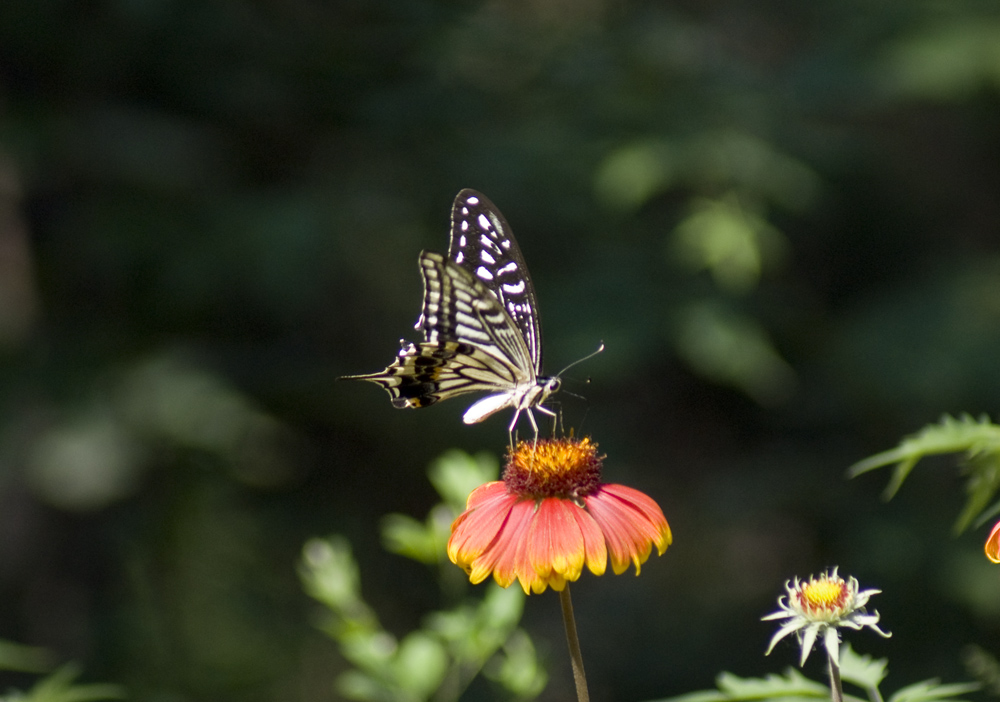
[[480, 324]]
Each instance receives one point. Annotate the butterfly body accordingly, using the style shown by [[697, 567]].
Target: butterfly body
[[480, 324]]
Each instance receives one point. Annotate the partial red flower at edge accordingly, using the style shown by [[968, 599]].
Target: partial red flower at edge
[[993, 544], [550, 516]]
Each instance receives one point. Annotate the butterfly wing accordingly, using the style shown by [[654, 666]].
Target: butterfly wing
[[483, 244], [470, 343], [480, 323]]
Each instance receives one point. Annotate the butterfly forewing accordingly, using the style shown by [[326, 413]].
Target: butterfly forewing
[[483, 244]]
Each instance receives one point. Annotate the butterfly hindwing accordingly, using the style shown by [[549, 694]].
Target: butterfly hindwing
[[427, 372]]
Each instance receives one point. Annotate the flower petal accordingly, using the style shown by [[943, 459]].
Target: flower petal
[[786, 629], [655, 524], [807, 641], [477, 527], [505, 557], [595, 548], [535, 528], [831, 639], [631, 523], [555, 542], [993, 544]]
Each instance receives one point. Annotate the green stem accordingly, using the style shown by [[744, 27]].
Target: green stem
[[575, 654], [836, 688], [874, 695]]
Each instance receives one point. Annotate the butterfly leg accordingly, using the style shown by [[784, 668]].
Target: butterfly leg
[[534, 425], [556, 417], [511, 429]]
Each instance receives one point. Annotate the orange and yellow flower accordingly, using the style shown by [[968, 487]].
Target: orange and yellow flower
[[993, 544], [550, 516]]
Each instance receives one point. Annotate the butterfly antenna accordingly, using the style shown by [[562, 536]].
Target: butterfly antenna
[[581, 360]]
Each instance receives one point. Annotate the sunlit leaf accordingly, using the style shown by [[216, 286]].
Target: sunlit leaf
[[733, 349], [977, 442], [930, 690], [732, 688], [408, 537], [862, 670]]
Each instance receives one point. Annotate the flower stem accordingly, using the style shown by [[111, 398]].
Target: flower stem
[[836, 688], [575, 654], [874, 695]]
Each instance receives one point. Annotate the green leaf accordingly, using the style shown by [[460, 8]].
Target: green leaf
[[502, 607], [978, 441], [26, 659], [792, 686], [330, 575], [727, 239], [731, 348], [632, 174], [372, 650], [984, 667], [861, 670], [518, 668], [355, 685], [982, 486], [455, 474], [59, 687], [930, 690], [408, 537], [421, 664], [950, 435]]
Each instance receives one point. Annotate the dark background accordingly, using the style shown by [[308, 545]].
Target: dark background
[[210, 210]]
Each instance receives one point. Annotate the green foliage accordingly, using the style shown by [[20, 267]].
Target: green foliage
[[27, 659], [732, 688], [861, 671], [60, 687], [984, 667], [978, 442], [729, 241], [455, 644], [454, 475], [711, 161], [931, 690], [947, 60], [731, 348]]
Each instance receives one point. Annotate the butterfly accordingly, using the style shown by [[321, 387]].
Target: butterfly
[[480, 324]]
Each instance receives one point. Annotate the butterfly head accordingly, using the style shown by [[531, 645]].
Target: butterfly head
[[549, 386]]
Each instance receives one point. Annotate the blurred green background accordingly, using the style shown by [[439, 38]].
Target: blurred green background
[[781, 217]]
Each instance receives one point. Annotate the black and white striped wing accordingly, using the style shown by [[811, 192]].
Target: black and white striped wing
[[479, 320], [483, 244], [470, 344]]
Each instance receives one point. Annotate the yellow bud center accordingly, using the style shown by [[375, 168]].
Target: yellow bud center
[[826, 596]]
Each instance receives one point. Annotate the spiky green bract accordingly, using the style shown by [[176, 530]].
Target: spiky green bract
[[978, 440]]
